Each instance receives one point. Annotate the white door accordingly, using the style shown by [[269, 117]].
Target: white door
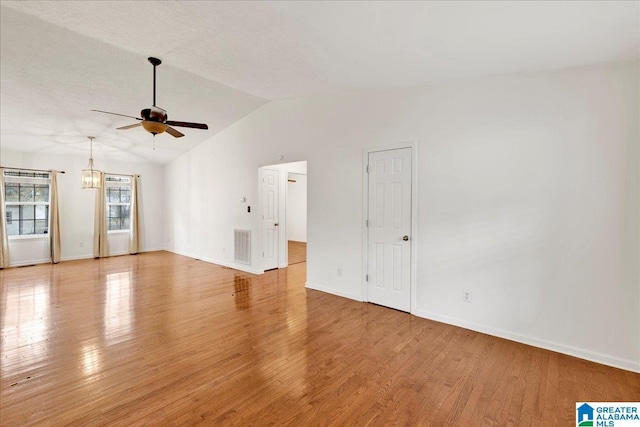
[[269, 219], [389, 228]]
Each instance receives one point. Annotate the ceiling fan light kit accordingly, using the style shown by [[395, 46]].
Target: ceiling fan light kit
[[91, 176], [154, 127], [154, 119]]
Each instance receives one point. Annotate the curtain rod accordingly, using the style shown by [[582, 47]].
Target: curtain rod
[[30, 169], [122, 174], [51, 170]]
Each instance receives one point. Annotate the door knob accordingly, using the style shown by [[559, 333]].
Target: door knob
[[405, 238], [275, 225]]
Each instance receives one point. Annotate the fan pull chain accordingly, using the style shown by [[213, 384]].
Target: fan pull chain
[[154, 142]]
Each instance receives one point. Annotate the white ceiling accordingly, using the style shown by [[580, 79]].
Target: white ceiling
[[222, 60]]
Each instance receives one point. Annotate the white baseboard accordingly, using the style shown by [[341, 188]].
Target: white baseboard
[[628, 365], [73, 258], [90, 256], [241, 267], [31, 262], [119, 253], [64, 258], [152, 250], [355, 297]]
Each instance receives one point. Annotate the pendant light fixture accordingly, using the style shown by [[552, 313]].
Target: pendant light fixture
[[91, 176]]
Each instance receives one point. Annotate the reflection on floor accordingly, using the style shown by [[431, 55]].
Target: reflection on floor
[[297, 252]]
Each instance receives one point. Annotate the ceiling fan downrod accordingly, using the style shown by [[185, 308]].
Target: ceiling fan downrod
[[155, 62]]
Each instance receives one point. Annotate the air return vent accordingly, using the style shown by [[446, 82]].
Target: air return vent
[[242, 249]]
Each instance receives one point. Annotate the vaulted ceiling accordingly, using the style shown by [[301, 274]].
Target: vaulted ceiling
[[222, 60]]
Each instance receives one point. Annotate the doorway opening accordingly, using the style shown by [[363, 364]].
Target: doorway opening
[[296, 217], [283, 214]]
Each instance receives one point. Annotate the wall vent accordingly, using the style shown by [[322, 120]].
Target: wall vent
[[242, 246]]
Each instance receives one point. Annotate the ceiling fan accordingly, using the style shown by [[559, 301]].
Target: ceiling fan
[[154, 119]]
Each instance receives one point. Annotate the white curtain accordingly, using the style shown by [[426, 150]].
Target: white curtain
[[54, 216], [4, 237], [134, 224], [100, 244]]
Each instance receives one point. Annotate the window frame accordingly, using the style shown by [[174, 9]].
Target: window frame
[[28, 178], [117, 181]]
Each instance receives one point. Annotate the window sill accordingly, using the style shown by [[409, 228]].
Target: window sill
[[118, 232]]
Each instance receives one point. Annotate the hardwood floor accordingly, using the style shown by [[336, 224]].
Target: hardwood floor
[[161, 339], [297, 252]]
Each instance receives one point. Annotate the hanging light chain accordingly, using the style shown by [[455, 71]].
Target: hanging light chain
[[91, 152]]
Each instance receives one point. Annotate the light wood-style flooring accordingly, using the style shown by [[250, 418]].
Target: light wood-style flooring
[[163, 340], [297, 252]]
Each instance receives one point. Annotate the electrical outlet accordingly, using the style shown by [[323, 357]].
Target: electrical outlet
[[339, 272], [81, 244], [466, 296], [223, 249]]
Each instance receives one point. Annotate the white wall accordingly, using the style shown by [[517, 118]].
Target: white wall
[[527, 197], [297, 207], [76, 208]]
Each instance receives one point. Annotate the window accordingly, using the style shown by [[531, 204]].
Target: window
[[26, 196], [118, 202]]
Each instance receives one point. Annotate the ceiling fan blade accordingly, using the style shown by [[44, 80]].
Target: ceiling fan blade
[[116, 114], [187, 124], [135, 125], [172, 131]]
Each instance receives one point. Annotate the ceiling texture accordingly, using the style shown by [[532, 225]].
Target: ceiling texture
[[222, 60]]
